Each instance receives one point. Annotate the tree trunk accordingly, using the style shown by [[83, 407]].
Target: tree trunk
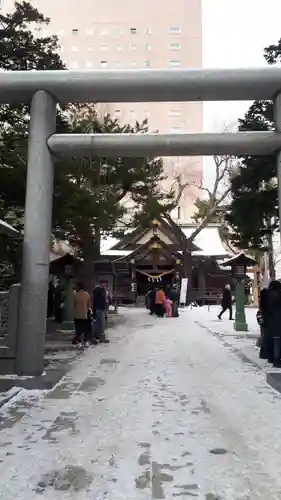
[[256, 284], [89, 270], [97, 241]]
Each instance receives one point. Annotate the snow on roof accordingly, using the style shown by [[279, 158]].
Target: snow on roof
[[116, 253], [7, 229], [208, 240], [107, 242], [236, 257]]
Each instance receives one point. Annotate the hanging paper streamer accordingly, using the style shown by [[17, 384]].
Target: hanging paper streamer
[[155, 278]]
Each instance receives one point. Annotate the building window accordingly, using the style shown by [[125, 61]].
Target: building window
[[75, 31], [174, 63], [74, 48], [90, 31], [174, 30], [174, 112], [74, 65], [117, 64], [132, 112], [179, 212], [133, 31], [103, 64], [148, 31], [117, 112], [133, 63], [119, 47], [133, 46], [147, 63], [175, 130], [104, 32], [89, 64], [104, 47], [90, 49], [148, 46], [174, 46]]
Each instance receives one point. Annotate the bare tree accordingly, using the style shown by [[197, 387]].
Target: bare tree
[[218, 194], [215, 197]]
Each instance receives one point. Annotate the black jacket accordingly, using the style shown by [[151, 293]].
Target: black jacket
[[99, 299], [270, 307], [226, 298]]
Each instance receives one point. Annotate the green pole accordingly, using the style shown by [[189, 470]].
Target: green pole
[[240, 324], [67, 304]]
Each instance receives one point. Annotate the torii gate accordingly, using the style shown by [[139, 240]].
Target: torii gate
[[44, 89]]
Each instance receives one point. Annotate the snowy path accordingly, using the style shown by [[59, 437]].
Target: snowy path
[[164, 411]]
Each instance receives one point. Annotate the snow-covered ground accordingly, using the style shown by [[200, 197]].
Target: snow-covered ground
[[167, 410]]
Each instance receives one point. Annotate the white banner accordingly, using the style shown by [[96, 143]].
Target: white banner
[[183, 292]]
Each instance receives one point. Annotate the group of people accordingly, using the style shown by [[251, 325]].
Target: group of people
[[89, 311], [163, 301], [90, 315], [269, 319]]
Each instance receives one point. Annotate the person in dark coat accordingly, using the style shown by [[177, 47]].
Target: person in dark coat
[[270, 307], [100, 306], [226, 302], [260, 318], [172, 294], [151, 296]]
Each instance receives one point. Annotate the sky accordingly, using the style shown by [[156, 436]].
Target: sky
[[235, 33]]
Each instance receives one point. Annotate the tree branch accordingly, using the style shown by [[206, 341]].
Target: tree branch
[[209, 215]]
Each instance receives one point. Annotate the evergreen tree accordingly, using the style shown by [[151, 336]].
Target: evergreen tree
[[88, 193], [254, 187]]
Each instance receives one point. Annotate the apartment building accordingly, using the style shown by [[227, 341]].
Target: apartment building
[[136, 34]]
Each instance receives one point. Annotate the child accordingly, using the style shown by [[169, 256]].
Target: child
[[168, 307]]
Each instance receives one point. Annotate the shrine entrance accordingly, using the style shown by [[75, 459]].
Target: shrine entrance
[[148, 278]]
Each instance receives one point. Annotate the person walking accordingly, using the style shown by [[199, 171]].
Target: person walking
[[81, 308], [226, 302], [100, 304]]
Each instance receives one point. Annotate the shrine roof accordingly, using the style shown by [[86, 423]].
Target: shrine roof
[[207, 243], [239, 259], [208, 240]]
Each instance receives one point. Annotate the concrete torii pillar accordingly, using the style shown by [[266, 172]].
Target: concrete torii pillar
[[37, 237], [277, 117]]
